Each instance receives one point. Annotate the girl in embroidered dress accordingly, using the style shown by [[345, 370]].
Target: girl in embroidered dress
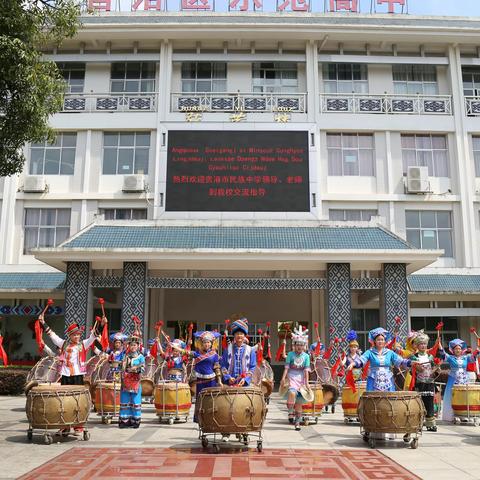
[[458, 362], [174, 360], [297, 367], [206, 366], [353, 354]]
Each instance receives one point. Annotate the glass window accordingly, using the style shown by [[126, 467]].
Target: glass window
[[476, 154], [132, 77], [124, 213], [426, 151], [364, 320], [74, 75], [340, 215], [415, 79], [345, 78], [126, 153], [274, 77], [471, 81], [351, 154], [45, 227], [430, 230], [201, 77], [449, 332], [56, 158]]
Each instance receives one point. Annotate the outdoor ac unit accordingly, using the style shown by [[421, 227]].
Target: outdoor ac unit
[[417, 180], [133, 183], [34, 184]]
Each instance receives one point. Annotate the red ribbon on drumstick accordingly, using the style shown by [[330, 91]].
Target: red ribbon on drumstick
[[225, 335], [104, 337], [318, 345], [268, 355], [434, 350], [189, 337], [474, 331], [260, 348], [38, 326]]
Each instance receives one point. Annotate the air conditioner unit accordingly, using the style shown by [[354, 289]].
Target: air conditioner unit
[[133, 183], [34, 184], [417, 180]]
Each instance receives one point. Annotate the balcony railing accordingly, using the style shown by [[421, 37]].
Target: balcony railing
[[386, 104], [472, 106], [239, 102], [110, 102]]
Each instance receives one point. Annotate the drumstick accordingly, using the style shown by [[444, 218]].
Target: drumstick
[[49, 303]]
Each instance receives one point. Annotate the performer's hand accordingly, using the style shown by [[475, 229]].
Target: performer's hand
[[41, 319], [241, 383], [231, 380], [104, 320], [351, 367]]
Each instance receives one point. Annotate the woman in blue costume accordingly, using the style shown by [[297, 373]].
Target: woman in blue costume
[[206, 363], [174, 360], [381, 359], [116, 354], [458, 362]]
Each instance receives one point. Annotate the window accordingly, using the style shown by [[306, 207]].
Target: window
[[415, 79], [350, 154], [345, 78], [56, 158], [428, 324], [275, 77], [124, 213], [426, 151], [198, 77], [471, 81], [430, 230], [364, 320], [476, 154], [132, 77], [351, 215], [114, 316], [125, 153], [46, 227], [74, 74]]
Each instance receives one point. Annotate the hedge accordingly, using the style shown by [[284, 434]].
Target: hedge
[[12, 380]]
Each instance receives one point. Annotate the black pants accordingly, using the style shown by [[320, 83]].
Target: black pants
[[427, 391], [72, 380]]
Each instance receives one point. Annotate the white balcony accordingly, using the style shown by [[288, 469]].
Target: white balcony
[[110, 102], [472, 106], [386, 104], [239, 102]]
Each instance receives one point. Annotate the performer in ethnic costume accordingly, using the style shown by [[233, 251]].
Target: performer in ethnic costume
[[116, 354], [238, 359], [353, 354], [206, 366], [422, 377], [380, 376], [458, 362], [297, 366], [174, 360], [72, 356], [133, 366]]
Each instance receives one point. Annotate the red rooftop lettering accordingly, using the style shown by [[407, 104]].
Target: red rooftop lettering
[[147, 4], [297, 6], [101, 5], [257, 4], [391, 4], [348, 5], [196, 5]]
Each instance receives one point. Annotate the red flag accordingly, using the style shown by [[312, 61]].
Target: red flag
[[365, 369], [414, 377], [38, 335], [104, 339], [281, 350], [3, 353], [434, 350], [260, 349], [335, 366], [328, 353], [225, 335], [154, 349], [351, 381]]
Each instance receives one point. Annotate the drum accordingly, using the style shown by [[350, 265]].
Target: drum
[[314, 408], [330, 393], [263, 378], [350, 399], [172, 399], [57, 406], [92, 364], [148, 377], [391, 412], [107, 398], [466, 400], [46, 370], [323, 371], [231, 409]]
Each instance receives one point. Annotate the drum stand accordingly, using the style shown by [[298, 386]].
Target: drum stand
[[471, 418], [218, 440], [107, 417], [170, 417]]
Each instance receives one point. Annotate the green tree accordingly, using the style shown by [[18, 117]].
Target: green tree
[[31, 89]]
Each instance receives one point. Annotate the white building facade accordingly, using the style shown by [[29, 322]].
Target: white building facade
[[377, 217]]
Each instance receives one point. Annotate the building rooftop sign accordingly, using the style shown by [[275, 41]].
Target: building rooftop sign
[[320, 6]]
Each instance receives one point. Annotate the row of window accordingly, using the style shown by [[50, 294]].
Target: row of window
[[349, 154], [48, 227], [267, 77]]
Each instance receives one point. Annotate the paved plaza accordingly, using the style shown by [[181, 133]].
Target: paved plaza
[[327, 450]]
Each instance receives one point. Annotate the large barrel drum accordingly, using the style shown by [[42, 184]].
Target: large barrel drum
[[172, 399], [466, 400], [148, 377], [314, 408], [391, 412], [350, 399], [231, 409], [57, 406], [107, 398]]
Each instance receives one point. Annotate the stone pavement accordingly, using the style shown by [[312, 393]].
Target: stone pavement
[[452, 452]]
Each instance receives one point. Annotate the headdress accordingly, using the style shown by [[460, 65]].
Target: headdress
[[373, 334], [73, 329], [420, 337], [352, 338], [117, 336], [454, 343], [300, 336], [206, 336], [180, 343], [313, 346], [240, 325]]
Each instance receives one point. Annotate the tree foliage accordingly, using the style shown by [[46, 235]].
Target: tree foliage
[[31, 89]]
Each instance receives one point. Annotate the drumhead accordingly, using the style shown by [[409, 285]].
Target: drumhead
[[54, 388], [307, 394]]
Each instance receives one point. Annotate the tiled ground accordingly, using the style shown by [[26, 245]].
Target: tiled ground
[[162, 463]]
